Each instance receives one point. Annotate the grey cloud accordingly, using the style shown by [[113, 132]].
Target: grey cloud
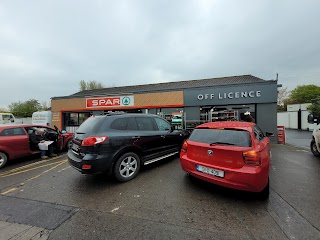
[[50, 46]]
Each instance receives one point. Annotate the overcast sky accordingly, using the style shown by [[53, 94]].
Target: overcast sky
[[47, 47]]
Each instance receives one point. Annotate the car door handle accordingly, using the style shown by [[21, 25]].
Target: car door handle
[[136, 137], [163, 136]]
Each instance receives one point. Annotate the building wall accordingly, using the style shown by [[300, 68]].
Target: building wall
[[290, 119], [263, 95], [192, 113], [147, 100], [232, 94], [283, 119], [266, 118]]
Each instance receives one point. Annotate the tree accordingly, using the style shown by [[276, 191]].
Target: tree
[[314, 108], [304, 94], [3, 109], [90, 85], [44, 106], [283, 95], [25, 109]]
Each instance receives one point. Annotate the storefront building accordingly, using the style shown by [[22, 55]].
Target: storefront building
[[186, 103]]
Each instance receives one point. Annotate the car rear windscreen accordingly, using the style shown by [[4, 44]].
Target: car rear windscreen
[[90, 125], [240, 138]]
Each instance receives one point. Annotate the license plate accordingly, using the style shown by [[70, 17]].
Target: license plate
[[210, 171]]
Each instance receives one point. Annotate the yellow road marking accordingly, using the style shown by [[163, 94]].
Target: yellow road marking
[[28, 170], [46, 171], [28, 165], [64, 169], [9, 191]]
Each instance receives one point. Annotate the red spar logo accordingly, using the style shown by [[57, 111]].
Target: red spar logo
[[103, 102]]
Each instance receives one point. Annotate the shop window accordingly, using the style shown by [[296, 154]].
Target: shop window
[[83, 117], [227, 113], [75, 119]]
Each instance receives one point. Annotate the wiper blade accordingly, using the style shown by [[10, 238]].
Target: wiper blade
[[223, 143]]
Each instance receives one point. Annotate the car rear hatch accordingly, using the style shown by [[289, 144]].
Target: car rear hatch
[[87, 129], [219, 147]]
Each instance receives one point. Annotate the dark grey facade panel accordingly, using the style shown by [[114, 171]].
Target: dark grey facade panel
[[192, 113], [239, 94], [152, 111], [266, 118]]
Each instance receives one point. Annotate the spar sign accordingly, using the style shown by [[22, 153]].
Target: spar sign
[[122, 101]]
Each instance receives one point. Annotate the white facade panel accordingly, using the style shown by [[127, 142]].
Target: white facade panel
[[304, 120], [293, 107], [293, 120], [283, 119], [304, 106]]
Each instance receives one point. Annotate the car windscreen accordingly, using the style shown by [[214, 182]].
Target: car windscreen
[[234, 137], [90, 125]]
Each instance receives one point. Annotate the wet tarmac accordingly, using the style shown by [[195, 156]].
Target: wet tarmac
[[162, 202], [300, 138]]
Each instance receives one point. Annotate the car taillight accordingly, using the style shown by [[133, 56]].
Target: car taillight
[[90, 141], [184, 147], [252, 158]]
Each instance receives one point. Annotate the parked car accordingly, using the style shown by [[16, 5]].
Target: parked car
[[315, 142], [176, 119], [15, 141], [7, 118], [230, 154], [119, 143]]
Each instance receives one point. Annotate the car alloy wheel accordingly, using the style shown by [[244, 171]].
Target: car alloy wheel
[[127, 167], [3, 159]]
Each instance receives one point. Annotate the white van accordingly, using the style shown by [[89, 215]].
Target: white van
[[6, 118], [42, 118]]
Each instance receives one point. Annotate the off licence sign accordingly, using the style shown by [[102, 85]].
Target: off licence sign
[[121, 101]]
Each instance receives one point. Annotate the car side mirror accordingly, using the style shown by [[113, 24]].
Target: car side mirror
[[310, 118], [269, 134]]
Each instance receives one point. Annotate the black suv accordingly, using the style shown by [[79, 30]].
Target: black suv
[[120, 143]]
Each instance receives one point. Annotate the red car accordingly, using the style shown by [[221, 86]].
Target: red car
[[15, 142], [230, 154]]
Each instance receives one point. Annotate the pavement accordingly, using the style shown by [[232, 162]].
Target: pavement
[[16, 231]]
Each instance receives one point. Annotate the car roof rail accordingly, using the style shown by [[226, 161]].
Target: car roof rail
[[114, 113]]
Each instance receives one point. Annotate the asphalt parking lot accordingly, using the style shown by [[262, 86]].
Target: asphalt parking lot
[[49, 200]]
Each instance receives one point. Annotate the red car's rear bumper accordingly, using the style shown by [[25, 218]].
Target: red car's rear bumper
[[247, 178]]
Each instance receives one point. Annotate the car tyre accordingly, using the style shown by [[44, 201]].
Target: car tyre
[[126, 167], [313, 148], [3, 159], [69, 144], [264, 194]]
